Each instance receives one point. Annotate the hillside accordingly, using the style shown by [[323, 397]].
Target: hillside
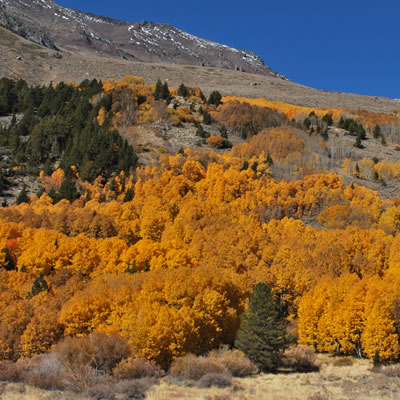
[[55, 27], [187, 231], [21, 59]]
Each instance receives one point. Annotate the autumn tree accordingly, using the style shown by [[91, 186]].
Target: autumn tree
[[261, 335]]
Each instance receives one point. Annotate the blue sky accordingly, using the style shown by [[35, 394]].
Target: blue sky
[[347, 46]]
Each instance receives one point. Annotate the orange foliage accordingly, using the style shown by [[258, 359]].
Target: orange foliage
[[171, 269]]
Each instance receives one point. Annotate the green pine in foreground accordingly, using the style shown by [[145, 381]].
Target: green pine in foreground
[[261, 335]]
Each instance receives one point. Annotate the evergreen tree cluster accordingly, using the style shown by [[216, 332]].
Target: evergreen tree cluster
[[355, 129], [59, 124], [161, 92], [320, 126], [215, 98]]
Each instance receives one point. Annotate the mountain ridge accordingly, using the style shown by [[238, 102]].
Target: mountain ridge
[[58, 28]]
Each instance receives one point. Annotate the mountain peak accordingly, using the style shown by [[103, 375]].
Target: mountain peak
[[51, 25]]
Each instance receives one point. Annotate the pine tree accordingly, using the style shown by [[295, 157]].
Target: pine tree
[[39, 285], [358, 143], [158, 90], [224, 132], [261, 335], [377, 131], [215, 98], [183, 91], [327, 118], [207, 118], [22, 197], [9, 261], [165, 95]]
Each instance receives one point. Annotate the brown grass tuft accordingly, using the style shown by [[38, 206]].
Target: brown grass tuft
[[217, 380], [392, 371], [343, 362]]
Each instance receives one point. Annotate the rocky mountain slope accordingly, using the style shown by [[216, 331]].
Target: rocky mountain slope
[[38, 65], [48, 24]]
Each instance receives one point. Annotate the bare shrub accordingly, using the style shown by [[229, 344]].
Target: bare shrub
[[75, 351], [78, 378], [343, 362], [392, 371], [109, 350], [193, 368], [8, 371], [100, 392], [318, 396], [235, 362], [98, 350], [134, 388], [45, 372], [217, 380], [300, 358], [135, 368]]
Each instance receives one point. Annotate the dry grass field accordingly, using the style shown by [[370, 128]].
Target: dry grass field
[[338, 379]]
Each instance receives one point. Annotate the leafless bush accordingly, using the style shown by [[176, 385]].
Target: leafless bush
[[318, 396], [100, 392], [135, 368], [109, 350], [99, 351], [217, 380], [235, 362], [75, 351], [46, 372], [8, 371], [193, 368], [300, 358], [78, 378], [392, 371], [135, 388], [343, 362]]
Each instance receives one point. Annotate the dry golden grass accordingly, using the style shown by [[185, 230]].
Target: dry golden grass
[[19, 391], [352, 380]]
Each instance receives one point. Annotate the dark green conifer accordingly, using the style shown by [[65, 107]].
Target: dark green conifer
[[377, 131], [261, 335], [158, 90], [39, 285], [215, 98], [183, 90], [207, 118], [22, 197], [224, 132]]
